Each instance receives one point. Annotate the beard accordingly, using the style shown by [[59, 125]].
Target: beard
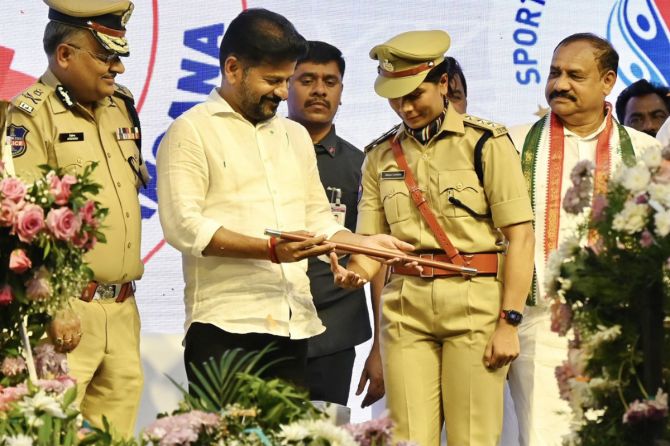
[[258, 108]]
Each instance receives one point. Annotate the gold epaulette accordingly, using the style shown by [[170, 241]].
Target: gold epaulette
[[32, 98], [381, 139], [493, 127], [123, 91]]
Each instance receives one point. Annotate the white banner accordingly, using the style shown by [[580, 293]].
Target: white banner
[[504, 47]]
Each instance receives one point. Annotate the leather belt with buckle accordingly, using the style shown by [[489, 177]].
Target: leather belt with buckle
[[486, 263], [101, 291]]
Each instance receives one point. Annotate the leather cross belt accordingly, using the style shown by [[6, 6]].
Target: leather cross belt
[[486, 264], [117, 291]]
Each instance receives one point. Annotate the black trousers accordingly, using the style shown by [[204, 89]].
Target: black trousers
[[204, 341], [329, 376]]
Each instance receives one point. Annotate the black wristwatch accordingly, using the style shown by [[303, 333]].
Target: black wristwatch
[[512, 317]]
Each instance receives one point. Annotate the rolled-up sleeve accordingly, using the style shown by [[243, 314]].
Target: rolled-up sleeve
[[183, 180]]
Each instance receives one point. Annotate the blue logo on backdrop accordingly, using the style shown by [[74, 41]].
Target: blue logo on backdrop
[[197, 80], [639, 30]]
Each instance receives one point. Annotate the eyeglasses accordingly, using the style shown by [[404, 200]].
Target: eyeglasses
[[107, 58]]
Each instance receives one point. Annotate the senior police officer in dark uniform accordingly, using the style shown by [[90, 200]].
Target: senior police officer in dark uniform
[[73, 116], [445, 182], [315, 90]]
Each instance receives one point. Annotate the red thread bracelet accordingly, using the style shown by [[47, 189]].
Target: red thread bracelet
[[272, 249]]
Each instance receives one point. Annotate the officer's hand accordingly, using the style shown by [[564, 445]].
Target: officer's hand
[[342, 277], [503, 347], [390, 243], [64, 331], [372, 373], [288, 251]]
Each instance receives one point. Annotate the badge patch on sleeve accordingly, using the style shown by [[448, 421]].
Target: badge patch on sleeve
[[16, 138]]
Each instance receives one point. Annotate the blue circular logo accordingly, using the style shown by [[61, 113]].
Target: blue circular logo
[[639, 30]]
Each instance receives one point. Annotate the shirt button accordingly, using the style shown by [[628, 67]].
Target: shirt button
[[109, 155], [118, 184], [129, 244], [79, 161], [128, 214], [425, 156], [459, 186]]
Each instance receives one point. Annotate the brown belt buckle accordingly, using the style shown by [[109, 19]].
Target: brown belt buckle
[[467, 260], [424, 273], [106, 291]]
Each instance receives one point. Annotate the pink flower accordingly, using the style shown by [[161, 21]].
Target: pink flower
[[87, 213], [57, 385], [600, 203], [13, 189], [581, 171], [376, 431], [564, 373], [8, 211], [19, 262], [80, 239], [63, 223], [60, 188], [182, 428], [646, 239], [12, 366], [663, 174], [652, 409], [29, 222], [561, 317], [48, 362], [91, 243], [9, 395], [39, 287], [6, 297]]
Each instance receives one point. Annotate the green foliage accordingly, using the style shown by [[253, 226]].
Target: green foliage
[[218, 384], [278, 402]]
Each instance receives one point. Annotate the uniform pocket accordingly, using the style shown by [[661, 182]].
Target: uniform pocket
[[73, 156], [464, 186], [131, 156], [396, 200]]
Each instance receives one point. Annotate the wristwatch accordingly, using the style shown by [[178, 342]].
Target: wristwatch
[[512, 317]]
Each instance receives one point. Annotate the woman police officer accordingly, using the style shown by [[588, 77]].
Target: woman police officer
[[447, 339]]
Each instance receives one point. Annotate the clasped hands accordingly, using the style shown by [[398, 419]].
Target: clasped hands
[[290, 251]]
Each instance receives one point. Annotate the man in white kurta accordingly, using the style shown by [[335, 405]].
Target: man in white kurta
[[583, 72], [663, 134]]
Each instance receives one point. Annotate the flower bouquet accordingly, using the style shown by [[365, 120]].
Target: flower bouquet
[[46, 228], [608, 285]]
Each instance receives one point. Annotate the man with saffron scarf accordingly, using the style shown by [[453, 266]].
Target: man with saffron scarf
[[580, 126]]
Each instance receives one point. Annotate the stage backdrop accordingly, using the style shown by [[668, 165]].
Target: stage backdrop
[[504, 47]]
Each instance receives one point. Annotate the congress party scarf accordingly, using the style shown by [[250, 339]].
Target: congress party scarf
[[542, 157]]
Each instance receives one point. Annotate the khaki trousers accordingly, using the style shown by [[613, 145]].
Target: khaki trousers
[[107, 365], [434, 333]]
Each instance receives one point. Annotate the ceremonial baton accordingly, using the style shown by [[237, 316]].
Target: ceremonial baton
[[379, 253]]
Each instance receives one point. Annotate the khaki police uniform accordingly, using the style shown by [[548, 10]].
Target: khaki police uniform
[[47, 126], [434, 330]]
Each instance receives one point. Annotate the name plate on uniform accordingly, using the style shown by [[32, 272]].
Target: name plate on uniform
[[393, 175], [67, 137]]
